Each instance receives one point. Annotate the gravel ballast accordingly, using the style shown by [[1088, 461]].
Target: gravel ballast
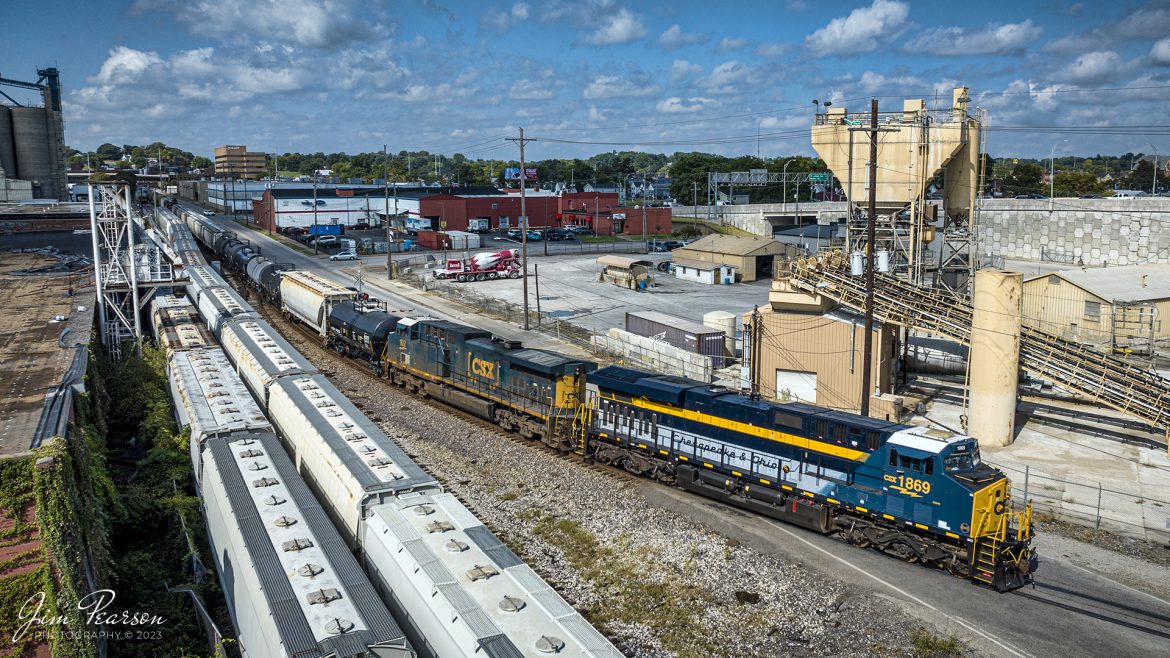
[[657, 583]]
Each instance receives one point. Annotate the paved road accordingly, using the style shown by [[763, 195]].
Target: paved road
[[1072, 611]]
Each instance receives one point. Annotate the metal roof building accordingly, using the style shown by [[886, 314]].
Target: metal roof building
[[1125, 307], [750, 256]]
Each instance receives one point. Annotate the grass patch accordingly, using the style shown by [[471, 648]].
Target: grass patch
[[930, 645], [664, 602]]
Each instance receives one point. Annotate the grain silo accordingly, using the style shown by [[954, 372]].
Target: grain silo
[[7, 152], [37, 139]]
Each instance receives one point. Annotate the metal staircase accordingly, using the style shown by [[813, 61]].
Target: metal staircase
[[1078, 368]]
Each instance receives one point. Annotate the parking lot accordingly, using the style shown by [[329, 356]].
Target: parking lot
[[569, 289]]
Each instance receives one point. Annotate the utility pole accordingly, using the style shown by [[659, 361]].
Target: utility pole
[[870, 237], [523, 223], [316, 237], [385, 179], [645, 200]]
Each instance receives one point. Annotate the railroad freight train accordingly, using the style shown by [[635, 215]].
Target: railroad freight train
[[454, 587], [922, 495]]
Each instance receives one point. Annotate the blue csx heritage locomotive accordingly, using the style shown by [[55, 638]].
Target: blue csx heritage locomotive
[[917, 493]]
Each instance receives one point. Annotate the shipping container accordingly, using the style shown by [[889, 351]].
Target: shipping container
[[679, 332], [459, 240]]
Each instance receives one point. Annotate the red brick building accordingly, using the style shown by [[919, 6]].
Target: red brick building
[[595, 210]]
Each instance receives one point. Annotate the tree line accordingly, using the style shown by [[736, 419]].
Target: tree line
[[1074, 176]]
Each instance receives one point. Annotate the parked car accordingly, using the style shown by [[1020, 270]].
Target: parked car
[[361, 226], [323, 241], [535, 235], [1031, 196], [295, 230], [559, 234], [345, 255], [209, 213], [515, 234], [583, 230], [1092, 196], [665, 245]]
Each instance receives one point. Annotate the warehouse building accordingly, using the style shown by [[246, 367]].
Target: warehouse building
[[1121, 307], [285, 205], [750, 256], [601, 212]]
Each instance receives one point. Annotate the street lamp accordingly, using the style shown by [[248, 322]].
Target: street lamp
[[1154, 185], [785, 176], [1052, 172]]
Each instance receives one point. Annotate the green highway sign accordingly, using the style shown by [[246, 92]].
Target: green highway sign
[[818, 178]]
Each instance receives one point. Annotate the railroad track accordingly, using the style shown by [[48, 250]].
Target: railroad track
[[1062, 423], [307, 342], [1098, 607]]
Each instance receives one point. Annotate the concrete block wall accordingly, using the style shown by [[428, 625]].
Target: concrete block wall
[[1093, 232], [655, 355]]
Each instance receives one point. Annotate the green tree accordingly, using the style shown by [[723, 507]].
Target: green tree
[[1076, 183], [1025, 178]]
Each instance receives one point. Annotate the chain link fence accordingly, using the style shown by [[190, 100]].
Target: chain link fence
[[1091, 504]]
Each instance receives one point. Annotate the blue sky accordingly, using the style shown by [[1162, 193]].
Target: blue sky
[[351, 75]]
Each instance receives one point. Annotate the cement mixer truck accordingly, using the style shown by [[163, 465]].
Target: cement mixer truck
[[482, 266]]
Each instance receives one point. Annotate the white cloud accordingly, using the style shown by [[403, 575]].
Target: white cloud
[[772, 49], [732, 43], [992, 39], [726, 78], [616, 86], [1091, 67], [862, 31], [1145, 23], [1160, 53], [676, 105], [681, 68], [125, 65], [324, 24], [796, 5], [531, 90], [674, 37], [621, 27], [502, 20], [871, 82]]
